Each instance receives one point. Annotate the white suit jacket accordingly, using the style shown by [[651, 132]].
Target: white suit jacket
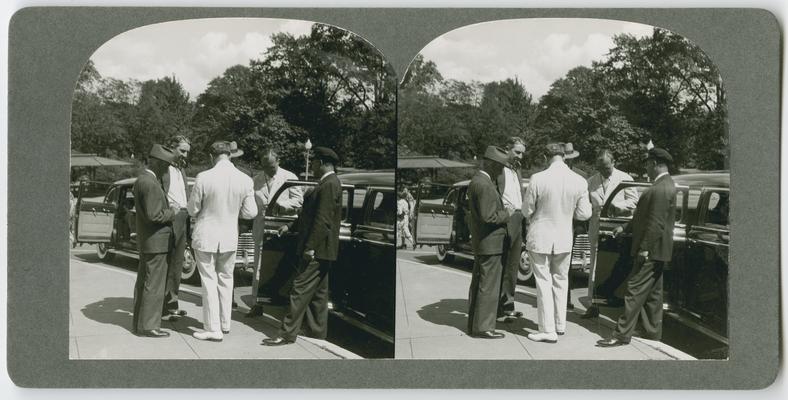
[[554, 197], [219, 197]]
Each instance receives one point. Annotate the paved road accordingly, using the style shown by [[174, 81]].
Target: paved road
[[432, 316]]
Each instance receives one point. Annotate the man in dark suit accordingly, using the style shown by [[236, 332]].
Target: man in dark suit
[[154, 231], [174, 181], [318, 244], [488, 230], [511, 190], [652, 249]]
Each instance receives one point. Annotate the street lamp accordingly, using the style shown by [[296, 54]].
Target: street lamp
[[307, 147]]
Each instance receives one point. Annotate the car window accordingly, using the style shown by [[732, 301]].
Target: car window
[[718, 209], [112, 196], [624, 200], [383, 213], [127, 197], [451, 198], [279, 211]]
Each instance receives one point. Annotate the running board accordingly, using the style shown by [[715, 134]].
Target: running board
[[357, 324], [698, 327]]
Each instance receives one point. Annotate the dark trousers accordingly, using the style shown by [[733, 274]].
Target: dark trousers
[[643, 301], [149, 291], [175, 259], [483, 294], [308, 301], [510, 259]]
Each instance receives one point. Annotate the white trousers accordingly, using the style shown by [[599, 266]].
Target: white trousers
[[551, 272], [216, 272]]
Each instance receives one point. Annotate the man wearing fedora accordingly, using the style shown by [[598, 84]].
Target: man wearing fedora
[[652, 248], [154, 231], [317, 246], [512, 197], [553, 199], [488, 220], [219, 197]]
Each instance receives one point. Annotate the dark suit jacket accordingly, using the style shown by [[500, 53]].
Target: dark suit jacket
[[153, 215], [488, 217], [318, 223], [652, 224]]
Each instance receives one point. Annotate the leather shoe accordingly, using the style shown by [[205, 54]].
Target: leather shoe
[[611, 342], [488, 335], [209, 336], [560, 333], [543, 337], [225, 331], [591, 312], [154, 333], [255, 311], [278, 341]]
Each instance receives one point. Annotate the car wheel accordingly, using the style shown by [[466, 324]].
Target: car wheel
[[103, 252], [443, 253], [189, 274], [525, 272]]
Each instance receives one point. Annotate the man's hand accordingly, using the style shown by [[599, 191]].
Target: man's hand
[[309, 255], [617, 231], [175, 209], [643, 254], [282, 230]]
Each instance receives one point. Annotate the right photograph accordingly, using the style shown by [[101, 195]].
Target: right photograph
[[562, 193]]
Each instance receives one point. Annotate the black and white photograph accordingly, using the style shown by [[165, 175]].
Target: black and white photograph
[[233, 194], [563, 188]]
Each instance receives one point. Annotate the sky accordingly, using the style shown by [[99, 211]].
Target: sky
[[536, 51], [194, 51]]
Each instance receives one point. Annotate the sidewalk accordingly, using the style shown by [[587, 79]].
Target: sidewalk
[[100, 325], [432, 318]]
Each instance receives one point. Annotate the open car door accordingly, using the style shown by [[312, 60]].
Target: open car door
[[434, 216], [273, 276], [95, 212]]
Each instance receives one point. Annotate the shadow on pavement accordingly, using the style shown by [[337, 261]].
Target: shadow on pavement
[[111, 310], [449, 312]]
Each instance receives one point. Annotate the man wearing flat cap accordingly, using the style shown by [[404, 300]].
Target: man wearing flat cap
[[317, 246], [488, 220], [154, 231], [652, 248], [553, 199], [220, 196]]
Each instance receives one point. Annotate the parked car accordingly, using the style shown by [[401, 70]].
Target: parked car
[[443, 218], [109, 221], [696, 281], [363, 279]]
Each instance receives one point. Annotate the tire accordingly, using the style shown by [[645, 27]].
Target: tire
[[525, 271], [442, 252], [103, 252], [190, 274]]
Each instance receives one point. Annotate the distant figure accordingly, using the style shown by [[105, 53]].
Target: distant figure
[[554, 197], [154, 230], [652, 248], [404, 237], [488, 230], [318, 245], [220, 196]]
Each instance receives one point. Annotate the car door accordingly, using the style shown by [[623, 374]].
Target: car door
[[434, 217], [364, 275], [95, 214], [705, 272], [279, 252], [613, 258]]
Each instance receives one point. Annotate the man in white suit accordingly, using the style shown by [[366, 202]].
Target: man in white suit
[[219, 197], [554, 197]]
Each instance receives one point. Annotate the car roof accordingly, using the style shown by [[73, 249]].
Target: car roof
[[708, 179], [370, 178], [468, 181], [130, 181]]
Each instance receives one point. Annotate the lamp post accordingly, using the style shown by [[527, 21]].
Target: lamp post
[[307, 147]]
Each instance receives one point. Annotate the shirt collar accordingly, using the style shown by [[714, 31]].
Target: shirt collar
[[326, 174], [152, 173], [660, 176]]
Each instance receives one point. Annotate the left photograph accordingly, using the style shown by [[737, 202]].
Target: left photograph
[[232, 194]]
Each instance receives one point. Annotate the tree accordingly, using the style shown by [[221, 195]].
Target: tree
[[163, 111]]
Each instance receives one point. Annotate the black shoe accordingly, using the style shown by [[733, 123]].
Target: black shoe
[[225, 332], [570, 306], [612, 342], [488, 335], [591, 312], [279, 341], [255, 311], [560, 333], [154, 333]]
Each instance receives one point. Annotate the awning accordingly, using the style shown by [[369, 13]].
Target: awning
[[430, 162], [93, 160]]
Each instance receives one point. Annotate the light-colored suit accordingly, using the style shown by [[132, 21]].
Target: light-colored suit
[[220, 196], [554, 197]]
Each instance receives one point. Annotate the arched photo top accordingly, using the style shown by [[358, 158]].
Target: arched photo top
[[592, 82]]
